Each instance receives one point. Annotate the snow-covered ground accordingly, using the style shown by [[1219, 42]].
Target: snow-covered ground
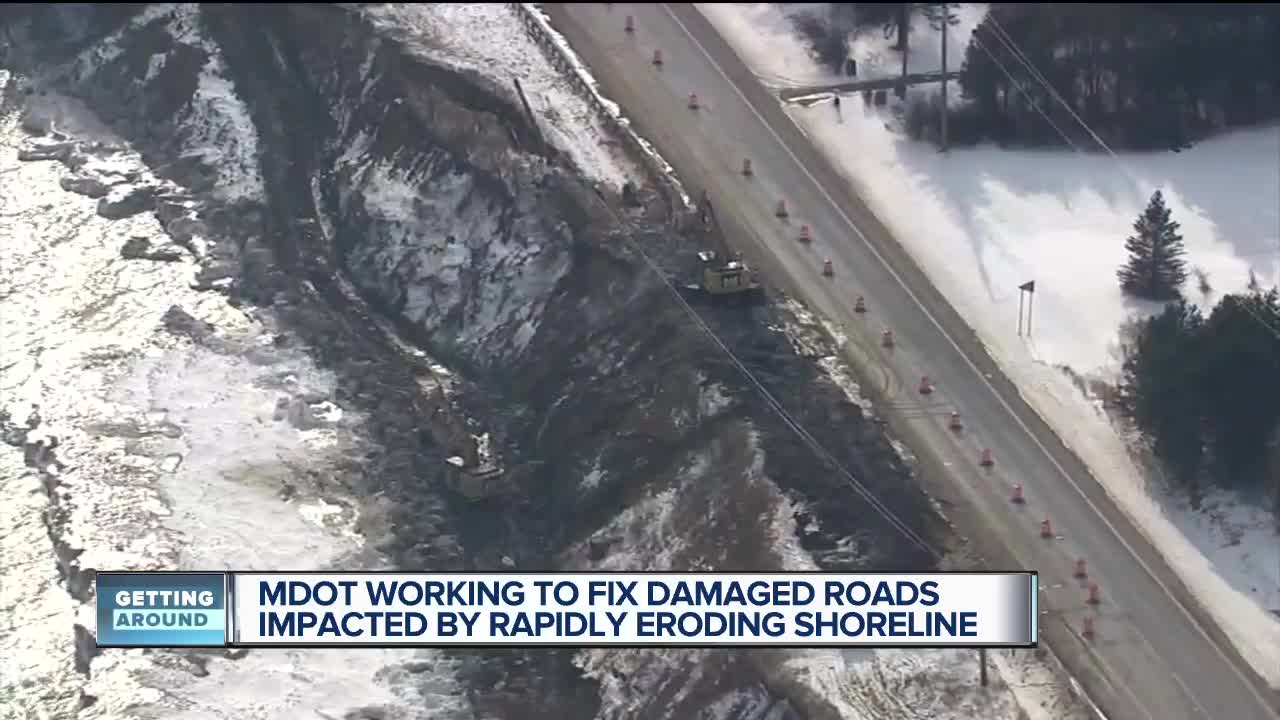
[[215, 126], [669, 529], [176, 455], [489, 39], [982, 221], [145, 418], [481, 37], [426, 239]]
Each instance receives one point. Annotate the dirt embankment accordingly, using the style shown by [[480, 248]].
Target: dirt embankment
[[635, 443]]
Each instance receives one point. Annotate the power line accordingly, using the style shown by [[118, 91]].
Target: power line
[[1014, 81], [860, 489], [1007, 41], [794, 425], [791, 422]]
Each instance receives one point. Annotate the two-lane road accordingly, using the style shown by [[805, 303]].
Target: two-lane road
[[1156, 656]]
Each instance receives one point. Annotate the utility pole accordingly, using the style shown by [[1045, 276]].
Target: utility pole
[[904, 30], [946, 17]]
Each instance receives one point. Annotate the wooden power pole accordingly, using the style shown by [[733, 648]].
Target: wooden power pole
[[946, 17], [904, 31]]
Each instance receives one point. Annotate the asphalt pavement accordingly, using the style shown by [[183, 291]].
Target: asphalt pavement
[[1156, 654]]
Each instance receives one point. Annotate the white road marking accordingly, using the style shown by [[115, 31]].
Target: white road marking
[[1000, 399]]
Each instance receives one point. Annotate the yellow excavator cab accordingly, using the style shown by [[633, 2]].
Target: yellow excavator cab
[[728, 278], [476, 482]]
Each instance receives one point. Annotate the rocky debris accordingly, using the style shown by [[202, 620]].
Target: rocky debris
[[83, 185], [133, 429], [607, 301], [86, 648], [59, 151], [170, 207], [184, 230], [120, 205], [139, 247], [630, 196], [75, 156], [179, 322], [180, 220], [37, 125], [282, 409], [199, 664], [39, 454], [11, 434], [215, 278], [418, 667], [191, 172], [306, 414]]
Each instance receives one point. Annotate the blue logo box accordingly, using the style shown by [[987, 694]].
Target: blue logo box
[[161, 609]]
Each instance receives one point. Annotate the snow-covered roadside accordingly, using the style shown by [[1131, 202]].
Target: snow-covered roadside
[[488, 39], [652, 528], [681, 524], [871, 683], [651, 157], [174, 454], [982, 221]]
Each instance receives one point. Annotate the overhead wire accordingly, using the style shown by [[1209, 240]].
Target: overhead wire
[[815, 446], [794, 425], [1030, 100], [1005, 39]]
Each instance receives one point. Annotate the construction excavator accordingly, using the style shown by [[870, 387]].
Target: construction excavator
[[722, 281], [725, 281]]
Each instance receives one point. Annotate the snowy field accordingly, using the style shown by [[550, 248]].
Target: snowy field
[[982, 221]]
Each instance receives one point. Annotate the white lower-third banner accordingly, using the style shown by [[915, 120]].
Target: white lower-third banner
[[633, 609]]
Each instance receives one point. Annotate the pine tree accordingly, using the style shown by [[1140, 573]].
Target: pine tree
[[1241, 400], [1155, 270], [1160, 389], [1201, 388]]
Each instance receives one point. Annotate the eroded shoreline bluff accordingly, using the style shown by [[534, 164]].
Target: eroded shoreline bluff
[[390, 180]]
